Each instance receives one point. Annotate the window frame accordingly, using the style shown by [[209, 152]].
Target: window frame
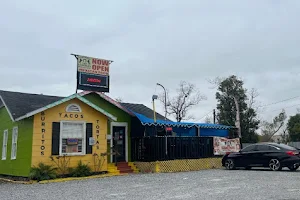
[[83, 139], [4, 143], [13, 153]]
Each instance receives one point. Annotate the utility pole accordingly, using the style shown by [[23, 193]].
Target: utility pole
[[214, 115]]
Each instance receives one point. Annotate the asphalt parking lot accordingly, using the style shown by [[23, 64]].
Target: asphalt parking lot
[[205, 184]]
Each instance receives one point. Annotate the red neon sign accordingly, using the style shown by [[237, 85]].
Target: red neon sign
[[93, 80]]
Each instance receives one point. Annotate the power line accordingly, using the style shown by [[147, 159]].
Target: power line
[[205, 115], [285, 108], [279, 101], [266, 105]]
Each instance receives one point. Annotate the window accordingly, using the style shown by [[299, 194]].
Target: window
[[73, 108], [274, 148], [72, 138], [248, 148], [14, 143], [263, 148], [4, 145], [287, 147]]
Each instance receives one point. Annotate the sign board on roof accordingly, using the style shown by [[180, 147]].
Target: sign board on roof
[[92, 74]]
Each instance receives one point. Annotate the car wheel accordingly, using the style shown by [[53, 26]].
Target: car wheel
[[229, 164], [294, 167], [275, 164]]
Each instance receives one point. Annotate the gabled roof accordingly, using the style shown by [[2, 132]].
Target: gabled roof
[[109, 100], [22, 105], [130, 108], [18, 104], [143, 110]]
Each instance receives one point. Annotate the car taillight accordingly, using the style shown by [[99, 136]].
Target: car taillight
[[291, 153], [227, 153]]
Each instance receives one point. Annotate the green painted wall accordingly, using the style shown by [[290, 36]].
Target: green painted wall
[[21, 165], [121, 115]]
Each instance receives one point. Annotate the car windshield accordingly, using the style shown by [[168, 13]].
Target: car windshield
[[286, 147]]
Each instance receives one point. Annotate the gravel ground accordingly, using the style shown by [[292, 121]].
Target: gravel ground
[[205, 184]]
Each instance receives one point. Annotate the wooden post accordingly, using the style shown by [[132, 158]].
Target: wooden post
[[237, 122], [214, 115]]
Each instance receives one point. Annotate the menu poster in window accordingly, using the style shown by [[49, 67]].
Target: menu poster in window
[[72, 141], [74, 149], [223, 145]]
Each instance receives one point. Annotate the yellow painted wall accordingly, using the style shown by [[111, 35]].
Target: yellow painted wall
[[90, 115]]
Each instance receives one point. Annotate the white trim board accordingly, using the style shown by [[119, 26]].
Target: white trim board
[[65, 100], [9, 113], [125, 124]]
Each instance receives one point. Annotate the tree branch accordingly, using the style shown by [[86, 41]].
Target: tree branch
[[187, 97]]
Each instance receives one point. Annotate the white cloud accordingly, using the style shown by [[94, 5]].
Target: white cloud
[[153, 42]]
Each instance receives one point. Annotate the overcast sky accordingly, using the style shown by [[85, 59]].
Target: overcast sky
[[154, 41]]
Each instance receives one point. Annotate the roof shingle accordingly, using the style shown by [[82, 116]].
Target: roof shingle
[[144, 110], [20, 104]]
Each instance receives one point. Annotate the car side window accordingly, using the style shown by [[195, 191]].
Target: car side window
[[263, 148], [274, 148], [248, 148]]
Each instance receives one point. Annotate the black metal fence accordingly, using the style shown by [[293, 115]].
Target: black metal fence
[[157, 148]]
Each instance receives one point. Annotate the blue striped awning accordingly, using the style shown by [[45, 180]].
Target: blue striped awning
[[150, 122]]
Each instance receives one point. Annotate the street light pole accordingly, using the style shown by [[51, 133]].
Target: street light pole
[[165, 99]]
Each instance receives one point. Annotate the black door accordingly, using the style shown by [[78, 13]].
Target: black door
[[119, 143]]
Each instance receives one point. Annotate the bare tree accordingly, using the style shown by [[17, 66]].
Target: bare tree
[[252, 95], [215, 82], [208, 120], [187, 97], [284, 135], [252, 104], [269, 129]]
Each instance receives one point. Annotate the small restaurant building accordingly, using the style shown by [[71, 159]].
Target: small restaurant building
[[89, 127]]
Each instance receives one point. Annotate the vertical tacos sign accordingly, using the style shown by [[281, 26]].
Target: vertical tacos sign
[[92, 73]]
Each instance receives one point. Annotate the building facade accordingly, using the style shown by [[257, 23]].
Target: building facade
[[89, 127]]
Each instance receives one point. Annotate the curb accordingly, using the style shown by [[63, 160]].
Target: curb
[[17, 182], [59, 180]]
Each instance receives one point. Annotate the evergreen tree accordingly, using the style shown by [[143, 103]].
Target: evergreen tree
[[226, 109], [293, 127]]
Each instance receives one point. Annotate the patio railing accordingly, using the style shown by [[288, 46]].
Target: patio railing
[[157, 148]]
